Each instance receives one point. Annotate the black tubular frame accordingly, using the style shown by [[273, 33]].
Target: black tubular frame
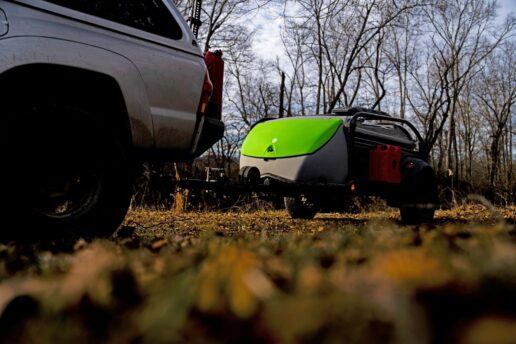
[[372, 116]]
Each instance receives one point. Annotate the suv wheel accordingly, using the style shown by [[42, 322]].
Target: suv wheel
[[68, 174]]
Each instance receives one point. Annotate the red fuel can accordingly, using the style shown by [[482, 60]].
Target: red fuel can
[[384, 164]]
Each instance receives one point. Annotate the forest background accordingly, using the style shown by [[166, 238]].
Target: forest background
[[448, 66]]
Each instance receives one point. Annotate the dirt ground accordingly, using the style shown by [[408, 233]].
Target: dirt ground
[[260, 277]]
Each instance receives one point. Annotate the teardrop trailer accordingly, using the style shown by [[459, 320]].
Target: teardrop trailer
[[314, 161]]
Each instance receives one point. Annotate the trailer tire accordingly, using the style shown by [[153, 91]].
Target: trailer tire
[[419, 190], [415, 216], [301, 207]]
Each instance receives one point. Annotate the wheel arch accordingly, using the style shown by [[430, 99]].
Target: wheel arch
[[50, 83], [32, 65]]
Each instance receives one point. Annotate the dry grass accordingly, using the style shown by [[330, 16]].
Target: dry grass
[[262, 277]]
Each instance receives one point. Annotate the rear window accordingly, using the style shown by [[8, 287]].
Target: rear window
[[147, 15]]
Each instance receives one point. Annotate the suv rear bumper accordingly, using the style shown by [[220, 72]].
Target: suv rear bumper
[[209, 131]]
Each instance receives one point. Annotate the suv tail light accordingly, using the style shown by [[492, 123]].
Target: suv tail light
[[207, 91], [215, 65]]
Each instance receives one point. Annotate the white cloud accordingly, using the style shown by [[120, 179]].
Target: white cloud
[[267, 41], [504, 8], [268, 23]]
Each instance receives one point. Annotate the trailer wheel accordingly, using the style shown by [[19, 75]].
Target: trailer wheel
[[414, 216], [419, 191], [301, 207]]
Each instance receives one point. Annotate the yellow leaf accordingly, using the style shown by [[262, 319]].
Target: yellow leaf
[[491, 330], [412, 267], [241, 301]]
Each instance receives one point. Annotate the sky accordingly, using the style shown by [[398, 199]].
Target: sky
[[506, 6], [267, 41]]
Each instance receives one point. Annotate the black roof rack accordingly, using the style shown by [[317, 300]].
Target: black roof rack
[[351, 111]]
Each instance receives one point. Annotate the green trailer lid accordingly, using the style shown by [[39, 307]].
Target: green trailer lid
[[289, 137]]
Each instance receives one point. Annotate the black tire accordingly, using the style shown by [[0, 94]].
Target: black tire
[[68, 175], [414, 216], [419, 191], [301, 207]]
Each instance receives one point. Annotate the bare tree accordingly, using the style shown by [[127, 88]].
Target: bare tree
[[222, 19], [463, 35], [401, 50], [495, 98]]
